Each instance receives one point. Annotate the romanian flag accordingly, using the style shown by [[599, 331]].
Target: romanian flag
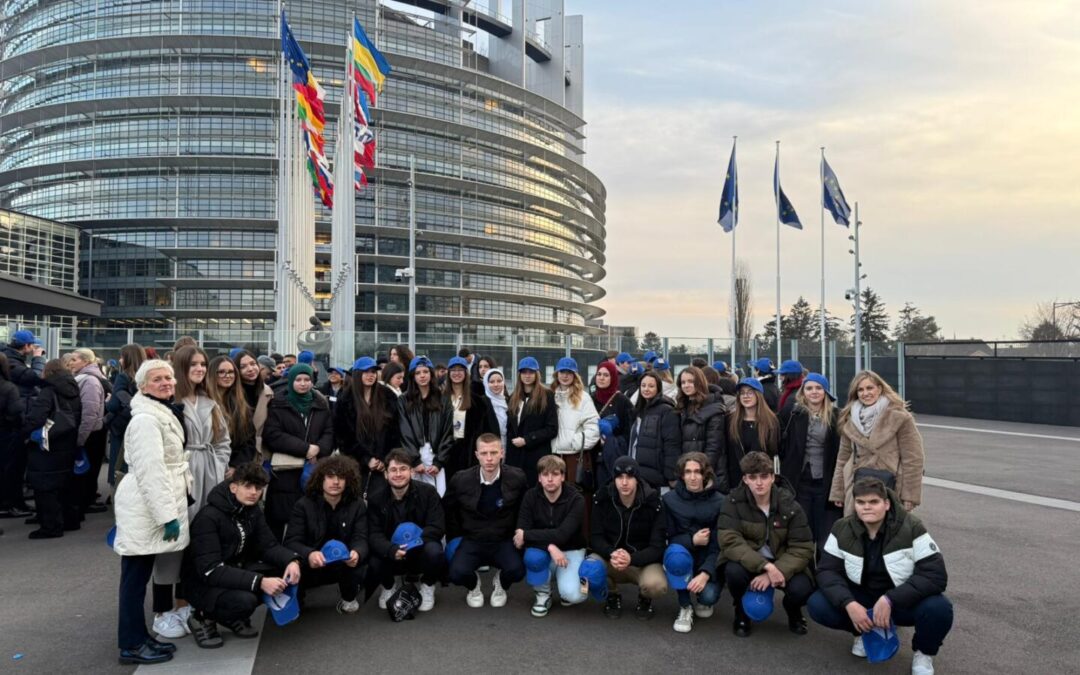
[[310, 111]]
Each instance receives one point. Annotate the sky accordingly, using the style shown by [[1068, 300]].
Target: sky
[[953, 124]]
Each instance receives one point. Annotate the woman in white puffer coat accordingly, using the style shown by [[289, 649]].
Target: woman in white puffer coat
[[150, 504], [579, 429]]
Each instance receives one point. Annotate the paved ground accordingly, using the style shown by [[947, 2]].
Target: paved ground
[[1012, 568]]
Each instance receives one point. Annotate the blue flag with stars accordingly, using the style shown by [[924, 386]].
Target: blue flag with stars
[[729, 198], [783, 205], [833, 196]]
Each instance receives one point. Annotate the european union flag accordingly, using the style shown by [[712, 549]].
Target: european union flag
[[833, 196], [294, 54], [729, 198], [783, 205]]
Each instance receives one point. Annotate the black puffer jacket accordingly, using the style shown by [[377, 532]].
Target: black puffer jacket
[[703, 431], [364, 446], [772, 391], [420, 505], [638, 529], [58, 396], [794, 426], [286, 432], [12, 412], [687, 512], [559, 522], [462, 500], [227, 538], [308, 526], [26, 378], [479, 419], [419, 426], [659, 442]]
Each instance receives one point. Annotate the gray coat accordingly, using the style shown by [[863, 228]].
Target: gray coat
[[209, 457]]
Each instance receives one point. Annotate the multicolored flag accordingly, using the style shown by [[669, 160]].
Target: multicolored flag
[[369, 75], [309, 108]]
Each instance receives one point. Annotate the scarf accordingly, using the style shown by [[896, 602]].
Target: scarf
[[498, 403], [790, 387], [300, 402], [604, 395], [251, 392], [864, 417]]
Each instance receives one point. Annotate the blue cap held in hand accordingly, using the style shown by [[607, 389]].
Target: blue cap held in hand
[[82, 463], [679, 566], [751, 382], [758, 605], [607, 427], [407, 536], [110, 537], [305, 475], [529, 363], [284, 607], [451, 548], [335, 551], [566, 363], [593, 573], [880, 644], [537, 566]]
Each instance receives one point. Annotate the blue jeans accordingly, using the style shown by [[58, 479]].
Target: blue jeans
[[706, 598], [932, 618], [566, 578]]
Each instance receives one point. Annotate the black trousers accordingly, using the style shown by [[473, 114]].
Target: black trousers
[[135, 573], [56, 500], [474, 554], [87, 484], [813, 496], [12, 470], [425, 561], [348, 579], [797, 591], [233, 605]]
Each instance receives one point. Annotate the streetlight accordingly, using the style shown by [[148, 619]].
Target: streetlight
[[858, 301]]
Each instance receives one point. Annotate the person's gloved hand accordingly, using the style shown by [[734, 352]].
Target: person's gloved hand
[[606, 429], [172, 530]]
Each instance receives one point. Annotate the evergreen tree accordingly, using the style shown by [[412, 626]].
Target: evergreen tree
[[875, 320], [833, 331], [651, 342], [912, 326]]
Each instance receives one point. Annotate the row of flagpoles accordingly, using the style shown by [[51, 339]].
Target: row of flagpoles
[[832, 200]]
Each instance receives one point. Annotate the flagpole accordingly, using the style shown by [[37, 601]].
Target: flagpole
[[733, 318], [776, 191], [858, 299], [821, 171]]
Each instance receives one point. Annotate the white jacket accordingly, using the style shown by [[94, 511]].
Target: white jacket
[[578, 427], [209, 456], [154, 491]]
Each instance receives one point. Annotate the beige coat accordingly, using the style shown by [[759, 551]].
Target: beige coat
[[894, 445], [259, 417]]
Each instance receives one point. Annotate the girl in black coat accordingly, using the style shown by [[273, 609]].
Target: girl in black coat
[[656, 436], [51, 469], [472, 416], [752, 426], [532, 421], [425, 422], [809, 444], [298, 430], [366, 423], [12, 410], [701, 416]]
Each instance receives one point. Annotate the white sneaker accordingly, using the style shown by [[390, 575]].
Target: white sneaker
[[386, 593], [169, 625], [427, 598], [703, 611], [541, 604], [498, 594], [348, 606], [857, 647], [184, 613], [684, 622], [922, 664], [475, 597]]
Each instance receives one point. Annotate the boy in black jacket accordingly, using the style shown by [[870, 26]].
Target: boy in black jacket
[[332, 508], [232, 554], [628, 526], [403, 500], [482, 507]]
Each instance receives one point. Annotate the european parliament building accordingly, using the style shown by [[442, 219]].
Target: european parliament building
[[150, 124]]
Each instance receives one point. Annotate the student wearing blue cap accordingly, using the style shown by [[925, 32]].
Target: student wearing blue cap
[[471, 412], [549, 524], [405, 500], [882, 559], [26, 361], [25, 365], [425, 421], [11, 437], [482, 505], [791, 376], [628, 380], [751, 427], [234, 559], [763, 370], [334, 386], [809, 444], [767, 543], [365, 422], [579, 431], [332, 509], [532, 420]]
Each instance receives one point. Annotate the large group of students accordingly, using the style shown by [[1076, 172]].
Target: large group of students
[[240, 479]]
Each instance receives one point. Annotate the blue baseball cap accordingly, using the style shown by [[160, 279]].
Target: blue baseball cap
[[22, 337], [420, 361], [592, 572], [818, 378], [408, 536], [82, 463], [305, 475], [537, 566], [751, 382], [566, 363], [790, 367], [758, 605], [365, 363], [335, 551], [529, 363], [458, 361], [452, 547], [660, 364], [880, 644], [719, 366], [622, 358], [636, 368], [649, 357], [679, 566], [336, 369], [762, 365], [234, 351], [283, 607], [306, 356], [110, 537]]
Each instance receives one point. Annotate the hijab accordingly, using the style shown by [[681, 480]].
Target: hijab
[[604, 395], [300, 402], [498, 403]]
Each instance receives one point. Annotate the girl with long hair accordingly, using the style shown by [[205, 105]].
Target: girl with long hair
[[533, 420], [752, 426], [701, 417], [365, 421], [118, 407], [222, 385], [257, 394], [425, 421], [579, 430], [656, 436], [472, 416]]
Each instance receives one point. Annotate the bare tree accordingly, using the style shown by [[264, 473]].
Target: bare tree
[[744, 303], [1048, 322]]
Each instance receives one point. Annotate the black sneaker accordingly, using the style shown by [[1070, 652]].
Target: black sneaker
[[796, 622], [44, 534], [144, 654], [241, 629], [742, 626], [613, 608], [644, 609], [205, 632]]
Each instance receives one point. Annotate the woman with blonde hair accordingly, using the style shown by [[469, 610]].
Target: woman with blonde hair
[[579, 429], [752, 426], [878, 439]]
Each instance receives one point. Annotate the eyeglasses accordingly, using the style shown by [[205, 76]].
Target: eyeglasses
[[226, 373]]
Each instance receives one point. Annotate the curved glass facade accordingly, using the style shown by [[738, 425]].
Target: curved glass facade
[[152, 125]]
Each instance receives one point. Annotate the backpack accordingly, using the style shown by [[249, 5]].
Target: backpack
[[60, 423]]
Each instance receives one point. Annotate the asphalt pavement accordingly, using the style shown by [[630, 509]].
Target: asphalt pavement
[[1013, 581]]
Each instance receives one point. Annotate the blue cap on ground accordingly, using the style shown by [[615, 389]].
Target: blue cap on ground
[[758, 605], [679, 566], [234, 351], [719, 366], [82, 462], [566, 363], [110, 537], [284, 607], [452, 547], [335, 551], [529, 363], [305, 475], [365, 363], [22, 337], [751, 382], [880, 644], [790, 367], [420, 361], [592, 572], [818, 378], [649, 357], [622, 358], [408, 536], [306, 356], [660, 364], [537, 566], [458, 361], [762, 365]]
